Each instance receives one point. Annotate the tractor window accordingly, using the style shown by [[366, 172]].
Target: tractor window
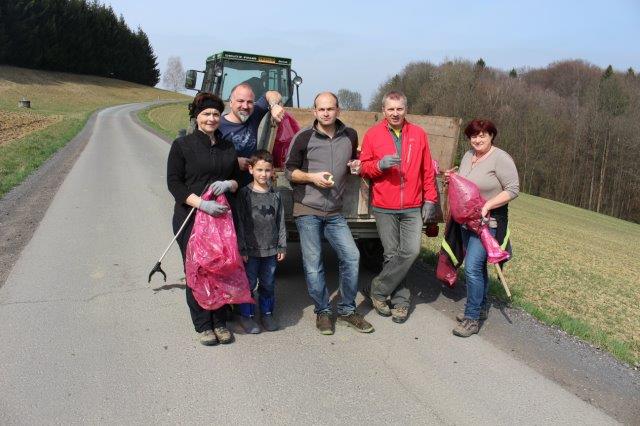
[[208, 80], [261, 77]]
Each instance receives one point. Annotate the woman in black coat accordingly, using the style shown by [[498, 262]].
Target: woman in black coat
[[195, 161]]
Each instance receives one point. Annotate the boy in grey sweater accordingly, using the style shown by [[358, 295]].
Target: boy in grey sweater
[[262, 239]]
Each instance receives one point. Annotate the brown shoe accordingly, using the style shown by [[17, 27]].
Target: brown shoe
[[399, 314], [208, 338], [357, 321], [223, 334], [381, 307], [467, 327], [484, 314], [324, 323]]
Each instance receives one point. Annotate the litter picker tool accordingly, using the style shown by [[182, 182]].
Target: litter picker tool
[[157, 267], [503, 280]]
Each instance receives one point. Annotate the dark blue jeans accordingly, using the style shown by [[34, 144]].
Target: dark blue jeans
[[336, 231], [261, 272], [475, 273]]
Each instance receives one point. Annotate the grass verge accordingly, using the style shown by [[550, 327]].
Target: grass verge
[[20, 158], [572, 269], [167, 119], [60, 106]]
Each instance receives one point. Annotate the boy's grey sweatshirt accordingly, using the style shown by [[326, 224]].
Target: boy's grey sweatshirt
[[260, 216]]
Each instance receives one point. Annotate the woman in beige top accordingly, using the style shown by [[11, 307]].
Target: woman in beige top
[[495, 174]]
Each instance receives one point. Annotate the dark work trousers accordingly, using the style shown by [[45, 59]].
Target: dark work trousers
[[203, 319]]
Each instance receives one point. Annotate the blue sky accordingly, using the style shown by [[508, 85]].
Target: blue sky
[[359, 44]]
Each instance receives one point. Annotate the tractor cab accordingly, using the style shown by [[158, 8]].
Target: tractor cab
[[225, 70]]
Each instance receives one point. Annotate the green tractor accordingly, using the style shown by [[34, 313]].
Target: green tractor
[[225, 70]]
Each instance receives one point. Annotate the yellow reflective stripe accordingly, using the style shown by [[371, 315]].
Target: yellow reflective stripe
[[447, 248], [503, 246]]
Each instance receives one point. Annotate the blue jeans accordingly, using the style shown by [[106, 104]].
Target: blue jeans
[[264, 270], [336, 231], [475, 273]]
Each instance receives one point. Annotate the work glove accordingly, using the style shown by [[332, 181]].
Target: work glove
[[428, 212], [220, 186], [213, 208], [388, 161]]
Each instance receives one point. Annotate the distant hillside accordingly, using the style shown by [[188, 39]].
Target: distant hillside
[[63, 93], [60, 105]]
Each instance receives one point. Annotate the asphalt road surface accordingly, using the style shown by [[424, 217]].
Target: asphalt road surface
[[85, 339]]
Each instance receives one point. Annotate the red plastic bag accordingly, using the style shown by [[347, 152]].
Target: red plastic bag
[[465, 204], [445, 271], [287, 128], [213, 265]]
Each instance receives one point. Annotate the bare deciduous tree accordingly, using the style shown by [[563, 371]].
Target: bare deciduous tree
[[173, 76], [349, 100], [572, 128]]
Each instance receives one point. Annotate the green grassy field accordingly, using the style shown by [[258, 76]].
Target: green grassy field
[[572, 268], [61, 103], [167, 119]]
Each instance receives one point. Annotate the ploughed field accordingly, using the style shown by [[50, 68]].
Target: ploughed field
[[572, 268]]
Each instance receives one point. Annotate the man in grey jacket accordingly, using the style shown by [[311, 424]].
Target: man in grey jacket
[[317, 166]]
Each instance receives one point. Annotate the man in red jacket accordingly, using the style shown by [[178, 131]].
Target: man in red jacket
[[396, 158]]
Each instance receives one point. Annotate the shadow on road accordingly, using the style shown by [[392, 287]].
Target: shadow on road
[[169, 287]]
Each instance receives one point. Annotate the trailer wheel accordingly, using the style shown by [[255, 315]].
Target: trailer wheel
[[371, 254]]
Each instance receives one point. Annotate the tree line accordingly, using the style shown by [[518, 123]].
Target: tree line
[[572, 128], [74, 36]]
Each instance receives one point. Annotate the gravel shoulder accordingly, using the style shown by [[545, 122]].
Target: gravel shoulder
[[591, 374], [22, 208]]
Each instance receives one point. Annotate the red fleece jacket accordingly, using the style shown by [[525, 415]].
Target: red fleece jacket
[[407, 185]]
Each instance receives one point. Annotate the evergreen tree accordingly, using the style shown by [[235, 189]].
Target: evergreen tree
[[74, 36]]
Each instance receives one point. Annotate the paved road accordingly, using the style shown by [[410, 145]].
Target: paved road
[[85, 339]]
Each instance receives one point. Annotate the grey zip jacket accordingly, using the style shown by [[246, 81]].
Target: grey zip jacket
[[311, 151]]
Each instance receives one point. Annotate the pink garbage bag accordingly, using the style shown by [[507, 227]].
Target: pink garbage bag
[[287, 128], [445, 271], [213, 265], [465, 204]]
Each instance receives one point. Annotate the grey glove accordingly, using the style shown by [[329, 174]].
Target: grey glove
[[213, 208], [428, 212], [220, 186], [388, 161]]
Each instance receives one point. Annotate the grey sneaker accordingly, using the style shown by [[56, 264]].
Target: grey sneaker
[[357, 321], [467, 327], [324, 323], [269, 323], [249, 325], [381, 307], [484, 314], [208, 338], [399, 314], [223, 334]]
